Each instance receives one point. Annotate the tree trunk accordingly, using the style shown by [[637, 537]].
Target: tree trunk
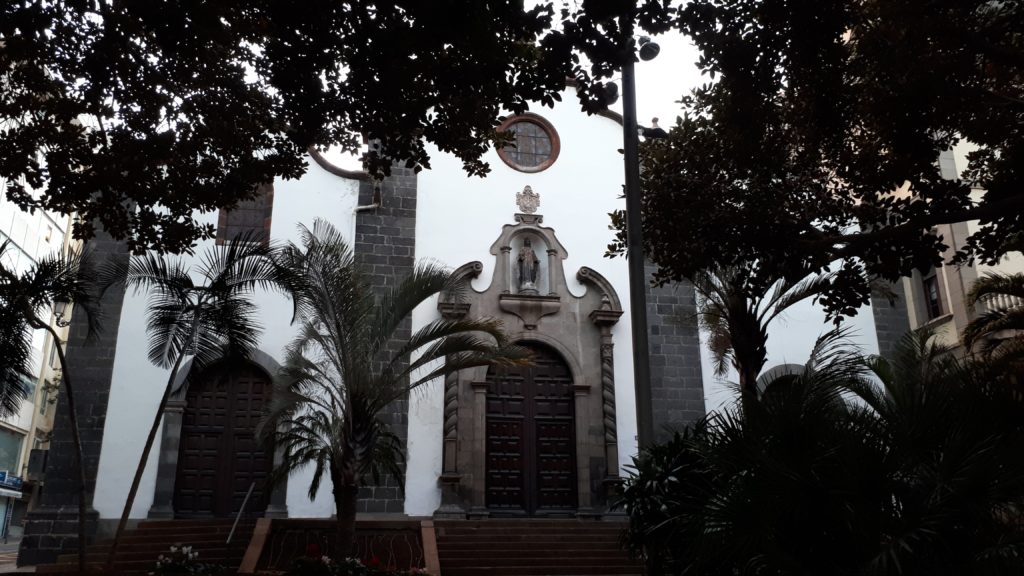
[[76, 439], [748, 390], [345, 499], [133, 491]]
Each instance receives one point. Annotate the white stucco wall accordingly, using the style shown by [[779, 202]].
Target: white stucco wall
[[458, 219], [137, 385]]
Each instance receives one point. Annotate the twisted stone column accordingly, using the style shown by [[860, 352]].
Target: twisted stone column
[[608, 390]]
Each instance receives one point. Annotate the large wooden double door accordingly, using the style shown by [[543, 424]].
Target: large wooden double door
[[531, 450], [219, 455]]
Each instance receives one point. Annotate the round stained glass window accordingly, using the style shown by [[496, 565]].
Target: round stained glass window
[[534, 144]]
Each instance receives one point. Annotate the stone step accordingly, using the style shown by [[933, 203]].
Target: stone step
[[562, 570], [140, 547], [519, 547], [552, 560], [575, 551], [91, 554], [131, 539], [191, 530], [500, 532], [533, 547]]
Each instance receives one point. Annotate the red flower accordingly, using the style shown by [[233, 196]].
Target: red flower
[[313, 550], [374, 562]]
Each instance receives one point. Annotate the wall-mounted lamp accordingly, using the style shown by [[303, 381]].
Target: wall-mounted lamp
[[62, 313]]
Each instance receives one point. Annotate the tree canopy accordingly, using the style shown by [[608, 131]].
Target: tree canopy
[[816, 114], [137, 114]]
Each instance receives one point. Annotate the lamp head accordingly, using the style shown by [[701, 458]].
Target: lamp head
[[648, 49], [611, 93]]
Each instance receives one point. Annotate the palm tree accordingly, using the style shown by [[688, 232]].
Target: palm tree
[[737, 320], [771, 493], [15, 358], [27, 299], [984, 329], [204, 313], [346, 364], [954, 431], [903, 466]]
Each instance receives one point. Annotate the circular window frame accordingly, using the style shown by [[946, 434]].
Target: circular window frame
[[536, 119]]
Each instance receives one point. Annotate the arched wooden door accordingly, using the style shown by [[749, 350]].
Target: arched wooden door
[[219, 455], [531, 448]]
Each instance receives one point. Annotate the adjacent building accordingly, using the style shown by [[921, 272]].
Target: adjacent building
[[30, 236], [936, 298]]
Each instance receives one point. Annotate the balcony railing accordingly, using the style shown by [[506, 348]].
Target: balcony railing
[[1000, 302]]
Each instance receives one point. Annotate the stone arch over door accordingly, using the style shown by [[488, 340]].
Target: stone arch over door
[[545, 313], [170, 445]]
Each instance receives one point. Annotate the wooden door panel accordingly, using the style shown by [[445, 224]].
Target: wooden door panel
[[555, 465], [505, 479], [530, 438], [219, 457]]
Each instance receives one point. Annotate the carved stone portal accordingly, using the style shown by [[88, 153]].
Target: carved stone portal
[[529, 293]]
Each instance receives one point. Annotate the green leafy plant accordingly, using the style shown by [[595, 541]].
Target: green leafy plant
[[851, 466]]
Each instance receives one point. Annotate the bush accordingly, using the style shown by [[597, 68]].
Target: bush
[[915, 471]]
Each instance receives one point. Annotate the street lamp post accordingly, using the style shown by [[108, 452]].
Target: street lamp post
[[635, 247]]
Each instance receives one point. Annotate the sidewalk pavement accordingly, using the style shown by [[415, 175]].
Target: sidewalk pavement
[[9, 557]]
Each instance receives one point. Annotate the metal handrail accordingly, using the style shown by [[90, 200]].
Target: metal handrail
[[240, 510]]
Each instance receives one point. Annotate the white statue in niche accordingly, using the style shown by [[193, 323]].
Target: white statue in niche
[[529, 266]]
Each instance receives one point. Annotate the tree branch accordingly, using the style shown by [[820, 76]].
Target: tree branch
[[854, 244]]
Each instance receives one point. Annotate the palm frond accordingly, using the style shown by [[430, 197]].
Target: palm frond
[[987, 324], [996, 283], [15, 359], [426, 280], [787, 295]]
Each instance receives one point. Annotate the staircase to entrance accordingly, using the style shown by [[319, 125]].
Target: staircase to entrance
[[532, 547], [140, 547]]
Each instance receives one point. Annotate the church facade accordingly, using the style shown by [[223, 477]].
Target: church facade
[[528, 242]]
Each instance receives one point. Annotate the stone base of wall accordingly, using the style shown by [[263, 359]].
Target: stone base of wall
[[50, 532]]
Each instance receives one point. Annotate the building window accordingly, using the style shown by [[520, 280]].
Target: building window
[[932, 296], [44, 397], [40, 439], [54, 361], [10, 450], [535, 144], [248, 217], [30, 388]]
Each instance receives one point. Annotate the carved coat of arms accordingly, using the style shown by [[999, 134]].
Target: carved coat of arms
[[528, 200]]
